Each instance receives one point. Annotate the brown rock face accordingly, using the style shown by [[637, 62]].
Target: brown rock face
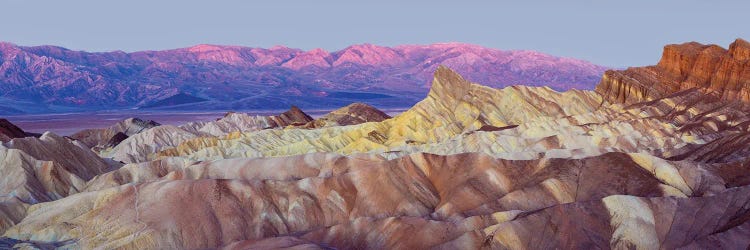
[[740, 49], [105, 137], [294, 116], [115, 140], [9, 131], [354, 113], [710, 68]]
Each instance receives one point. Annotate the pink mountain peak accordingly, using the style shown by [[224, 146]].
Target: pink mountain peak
[[217, 72], [200, 48], [274, 55], [4, 45], [218, 53], [366, 54], [280, 48], [319, 51], [316, 57], [7, 50], [441, 45]]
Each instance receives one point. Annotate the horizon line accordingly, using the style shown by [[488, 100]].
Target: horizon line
[[309, 50]]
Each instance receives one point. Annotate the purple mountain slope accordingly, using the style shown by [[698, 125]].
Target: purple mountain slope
[[45, 79]]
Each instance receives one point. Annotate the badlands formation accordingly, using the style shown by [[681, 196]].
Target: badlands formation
[[656, 158]]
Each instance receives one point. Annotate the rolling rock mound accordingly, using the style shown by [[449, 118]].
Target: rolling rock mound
[[109, 137], [140, 146], [352, 114], [453, 107], [458, 116], [43, 169], [468, 167]]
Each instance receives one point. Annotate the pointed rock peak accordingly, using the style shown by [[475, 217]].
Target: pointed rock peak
[[447, 84], [295, 109], [351, 114], [7, 45], [740, 42], [740, 49], [295, 116], [9, 131], [318, 51], [443, 72], [367, 112], [143, 123], [8, 48], [359, 105], [47, 135]]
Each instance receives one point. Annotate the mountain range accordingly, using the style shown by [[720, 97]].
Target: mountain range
[[47, 79], [654, 157]]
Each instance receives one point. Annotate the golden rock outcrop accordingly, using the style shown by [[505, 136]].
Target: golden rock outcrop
[[709, 68]]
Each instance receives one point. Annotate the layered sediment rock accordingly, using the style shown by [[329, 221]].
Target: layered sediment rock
[[113, 135], [352, 114], [537, 122], [453, 107], [328, 198], [468, 167], [72, 156], [294, 116], [710, 68], [43, 169], [139, 147]]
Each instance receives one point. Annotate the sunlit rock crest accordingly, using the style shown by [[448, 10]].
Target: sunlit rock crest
[[467, 167], [710, 68]]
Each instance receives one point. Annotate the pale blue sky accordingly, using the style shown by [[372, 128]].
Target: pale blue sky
[[612, 33]]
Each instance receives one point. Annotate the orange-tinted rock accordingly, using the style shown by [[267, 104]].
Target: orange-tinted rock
[[740, 50], [721, 72]]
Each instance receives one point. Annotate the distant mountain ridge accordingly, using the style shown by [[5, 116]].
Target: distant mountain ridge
[[44, 79]]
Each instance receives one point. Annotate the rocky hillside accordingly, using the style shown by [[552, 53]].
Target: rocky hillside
[[467, 167], [9, 131], [49, 79], [712, 69]]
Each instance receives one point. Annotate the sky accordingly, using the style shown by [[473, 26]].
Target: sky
[[610, 33]]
